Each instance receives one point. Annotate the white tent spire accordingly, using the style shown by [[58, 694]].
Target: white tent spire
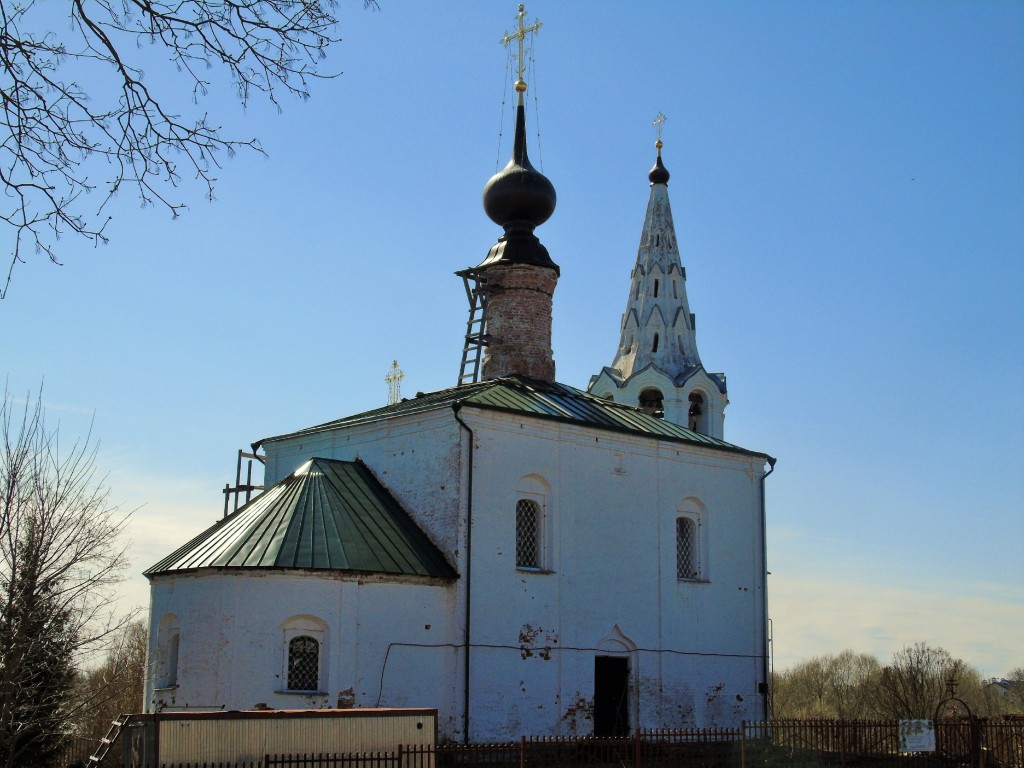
[[656, 365], [657, 326]]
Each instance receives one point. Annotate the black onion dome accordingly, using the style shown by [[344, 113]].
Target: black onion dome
[[519, 198], [519, 192], [659, 173]]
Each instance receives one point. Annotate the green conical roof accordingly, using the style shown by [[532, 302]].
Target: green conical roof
[[326, 515]]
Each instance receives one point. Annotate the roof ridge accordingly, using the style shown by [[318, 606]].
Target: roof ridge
[[540, 399]]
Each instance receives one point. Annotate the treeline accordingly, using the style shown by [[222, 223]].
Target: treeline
[[852, 685]]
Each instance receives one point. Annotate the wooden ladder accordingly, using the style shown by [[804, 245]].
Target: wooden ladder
[[476, 328]]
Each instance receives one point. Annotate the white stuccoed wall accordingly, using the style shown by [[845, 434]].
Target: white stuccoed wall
[[417, 458], [613, 505], [232, 647], [611, 502]]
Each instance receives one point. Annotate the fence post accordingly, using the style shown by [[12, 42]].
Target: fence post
[[636, 748], [975, 741], [842, 742], [743, 744], [522, 751]]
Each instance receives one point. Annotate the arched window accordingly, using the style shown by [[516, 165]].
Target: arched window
[[172, 660], [303, 663], [167, 651], [654, 346], [303, 655], [691, 529], [652, 402], [535, 532], [687, 549], [655, 288], [529, 533]]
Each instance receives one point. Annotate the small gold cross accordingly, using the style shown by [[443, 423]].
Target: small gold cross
[[659, 121], [520, 35]]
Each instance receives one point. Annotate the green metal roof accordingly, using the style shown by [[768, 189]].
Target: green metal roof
[[541, 399], [327, 514]]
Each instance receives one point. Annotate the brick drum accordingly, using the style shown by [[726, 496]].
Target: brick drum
[[519, 321]]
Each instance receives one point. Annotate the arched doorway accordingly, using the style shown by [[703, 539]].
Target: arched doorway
[[613, 669]]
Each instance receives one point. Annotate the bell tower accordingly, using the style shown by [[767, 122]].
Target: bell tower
[[656, 365]]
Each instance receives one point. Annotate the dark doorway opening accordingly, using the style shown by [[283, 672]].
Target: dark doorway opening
[[611, 696]]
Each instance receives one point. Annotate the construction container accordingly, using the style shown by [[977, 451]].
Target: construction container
[[209, 737]]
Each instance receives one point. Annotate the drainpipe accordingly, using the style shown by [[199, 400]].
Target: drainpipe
[[469, 581], [764, 587]]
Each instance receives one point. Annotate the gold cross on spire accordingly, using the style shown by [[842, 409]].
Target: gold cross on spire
[[520, 35], [659, 121]]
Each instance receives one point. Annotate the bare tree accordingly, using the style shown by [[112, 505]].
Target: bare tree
[[800, 691], [913, 684], [827, 686], [1015, 691], [61, 555], [852, 678], [61, 139], [113, 688]]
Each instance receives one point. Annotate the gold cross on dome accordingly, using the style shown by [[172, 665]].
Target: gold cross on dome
[[520, 35], [659, 121]]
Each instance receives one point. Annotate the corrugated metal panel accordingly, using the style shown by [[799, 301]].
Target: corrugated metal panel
[[422, 403], [327, 514], [558, 401], [545, 399], [210, 737]]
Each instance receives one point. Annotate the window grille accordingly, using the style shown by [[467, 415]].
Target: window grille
[[528, 530], [687, 560], [303, 664]]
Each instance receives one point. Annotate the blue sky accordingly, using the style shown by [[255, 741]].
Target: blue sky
[[848, 190]]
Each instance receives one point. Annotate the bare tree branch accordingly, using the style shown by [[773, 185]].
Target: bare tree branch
[[57, 135]]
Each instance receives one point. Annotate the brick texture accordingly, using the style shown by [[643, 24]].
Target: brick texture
[[519, 321]]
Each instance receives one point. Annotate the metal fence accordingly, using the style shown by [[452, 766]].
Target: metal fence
[[971, 743], [347, 760], [976, 743]]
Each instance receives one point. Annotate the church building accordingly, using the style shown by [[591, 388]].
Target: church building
[[524, 556]]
